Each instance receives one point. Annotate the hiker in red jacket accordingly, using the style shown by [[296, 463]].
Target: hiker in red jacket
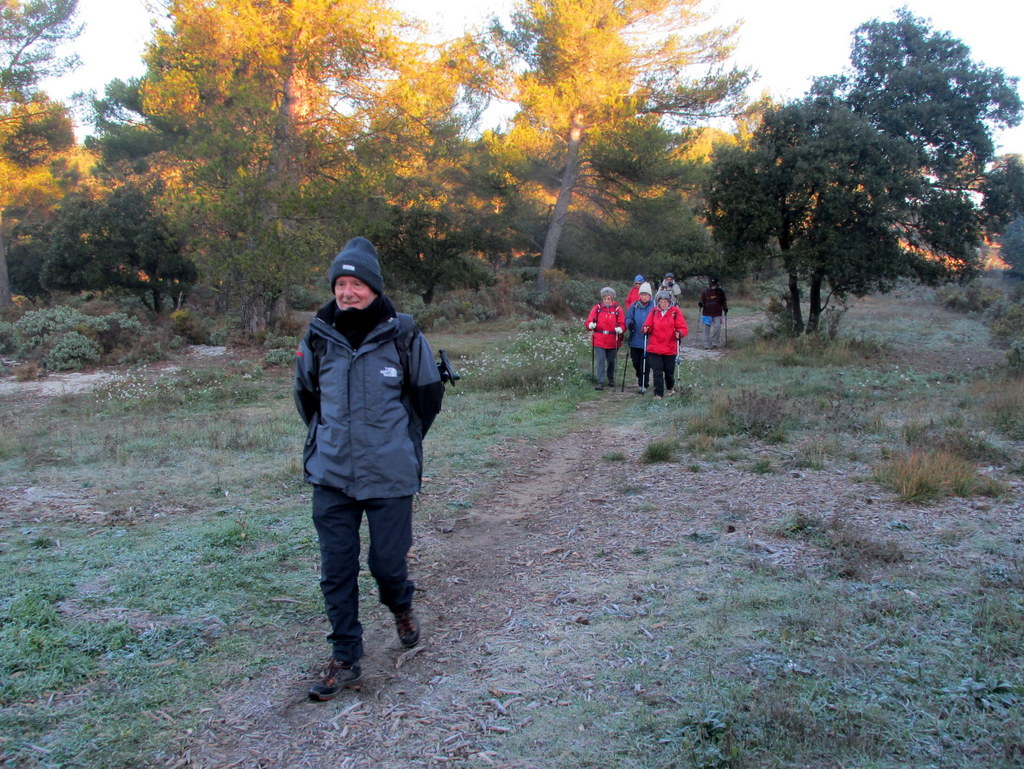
[[634, 293], [665, 326], [607, 321]]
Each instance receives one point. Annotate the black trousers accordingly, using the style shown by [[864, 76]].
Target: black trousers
[[664, 368], [643, 372], [337, 518]]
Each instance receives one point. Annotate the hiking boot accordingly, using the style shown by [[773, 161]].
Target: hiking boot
[[338, 676], [599, 387], [642, 390], [408, 627], [657, 397], [670, 393]]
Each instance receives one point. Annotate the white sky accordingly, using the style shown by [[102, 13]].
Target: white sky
[[787, 41]]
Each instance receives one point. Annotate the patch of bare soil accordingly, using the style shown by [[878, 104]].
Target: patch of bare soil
[[72, 382]]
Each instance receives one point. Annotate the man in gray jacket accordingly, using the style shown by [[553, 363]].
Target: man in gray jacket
[[368, 389]]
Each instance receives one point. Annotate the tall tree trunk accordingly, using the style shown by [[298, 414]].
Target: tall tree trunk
[[5, 279], [565, 190], [814, 298], [255, 308], [794, 303]]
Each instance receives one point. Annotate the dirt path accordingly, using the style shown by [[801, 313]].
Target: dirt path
[[508, 588], [498, 583], [475, 574]]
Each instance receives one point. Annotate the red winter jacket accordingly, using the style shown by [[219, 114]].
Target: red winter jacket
[[633, 295], [662, 326], [607, 319]]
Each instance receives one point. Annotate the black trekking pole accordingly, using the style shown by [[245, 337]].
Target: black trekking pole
[[643, 368]]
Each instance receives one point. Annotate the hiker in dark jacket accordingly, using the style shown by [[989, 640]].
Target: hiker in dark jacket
[[368, 389], [713, 309]]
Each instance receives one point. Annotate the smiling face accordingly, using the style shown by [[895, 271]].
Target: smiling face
[[607, 300], [663, 303], [352, 294]]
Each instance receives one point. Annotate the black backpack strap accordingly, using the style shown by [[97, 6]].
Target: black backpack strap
[[403, 342]]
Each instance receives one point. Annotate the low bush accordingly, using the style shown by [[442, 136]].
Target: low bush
[[189, 327], [65, 338], [72, 351], [973, 297], [10, 338], [280, 350], [924, 476], [759, 415], [1007, 324], [530, 363], [659, 450], [1015, 355], [1002, 405]]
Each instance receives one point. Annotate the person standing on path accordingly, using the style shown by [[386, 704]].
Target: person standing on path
[[636, 316], [607, 322], [713, 308], [368, 389], [669, 284], [665, 327], [634, 293]]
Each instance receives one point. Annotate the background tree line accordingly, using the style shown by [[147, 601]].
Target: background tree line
[[264, 134]]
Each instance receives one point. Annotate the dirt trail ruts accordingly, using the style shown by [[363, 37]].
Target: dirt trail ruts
[[426, 706]]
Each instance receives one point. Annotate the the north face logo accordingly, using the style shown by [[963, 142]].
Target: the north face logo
[[389, 372]]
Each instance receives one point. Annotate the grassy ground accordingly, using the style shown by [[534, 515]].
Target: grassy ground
[[868, 611]]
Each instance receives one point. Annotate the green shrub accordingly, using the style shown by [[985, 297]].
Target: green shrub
[[43, 331], [305, 298], [10, 338], [974, 297], [38, 326], [1015, 355], [279, 356], [190, 328], [72, 351], [1008, 322], [659, 450], [759, 415]]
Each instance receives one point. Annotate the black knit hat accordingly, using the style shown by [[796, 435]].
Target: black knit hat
[[359, 259]]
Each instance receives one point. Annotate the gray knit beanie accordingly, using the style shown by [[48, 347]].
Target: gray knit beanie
[[663, 295], [359, 259]]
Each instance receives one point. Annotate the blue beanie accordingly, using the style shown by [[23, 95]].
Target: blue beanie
[[359, 259], [638, 279]]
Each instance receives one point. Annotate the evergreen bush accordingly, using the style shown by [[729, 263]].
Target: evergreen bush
[[72, 351], [10, 338]]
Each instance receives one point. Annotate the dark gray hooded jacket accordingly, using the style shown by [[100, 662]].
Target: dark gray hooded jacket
[[366, 416]]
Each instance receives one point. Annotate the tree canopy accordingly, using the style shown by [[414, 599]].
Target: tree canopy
[[117, 241], [33, 128], [579, 68], [873, 176]]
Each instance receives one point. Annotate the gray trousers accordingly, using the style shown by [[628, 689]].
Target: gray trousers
[[604, 365], [713, 333]]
